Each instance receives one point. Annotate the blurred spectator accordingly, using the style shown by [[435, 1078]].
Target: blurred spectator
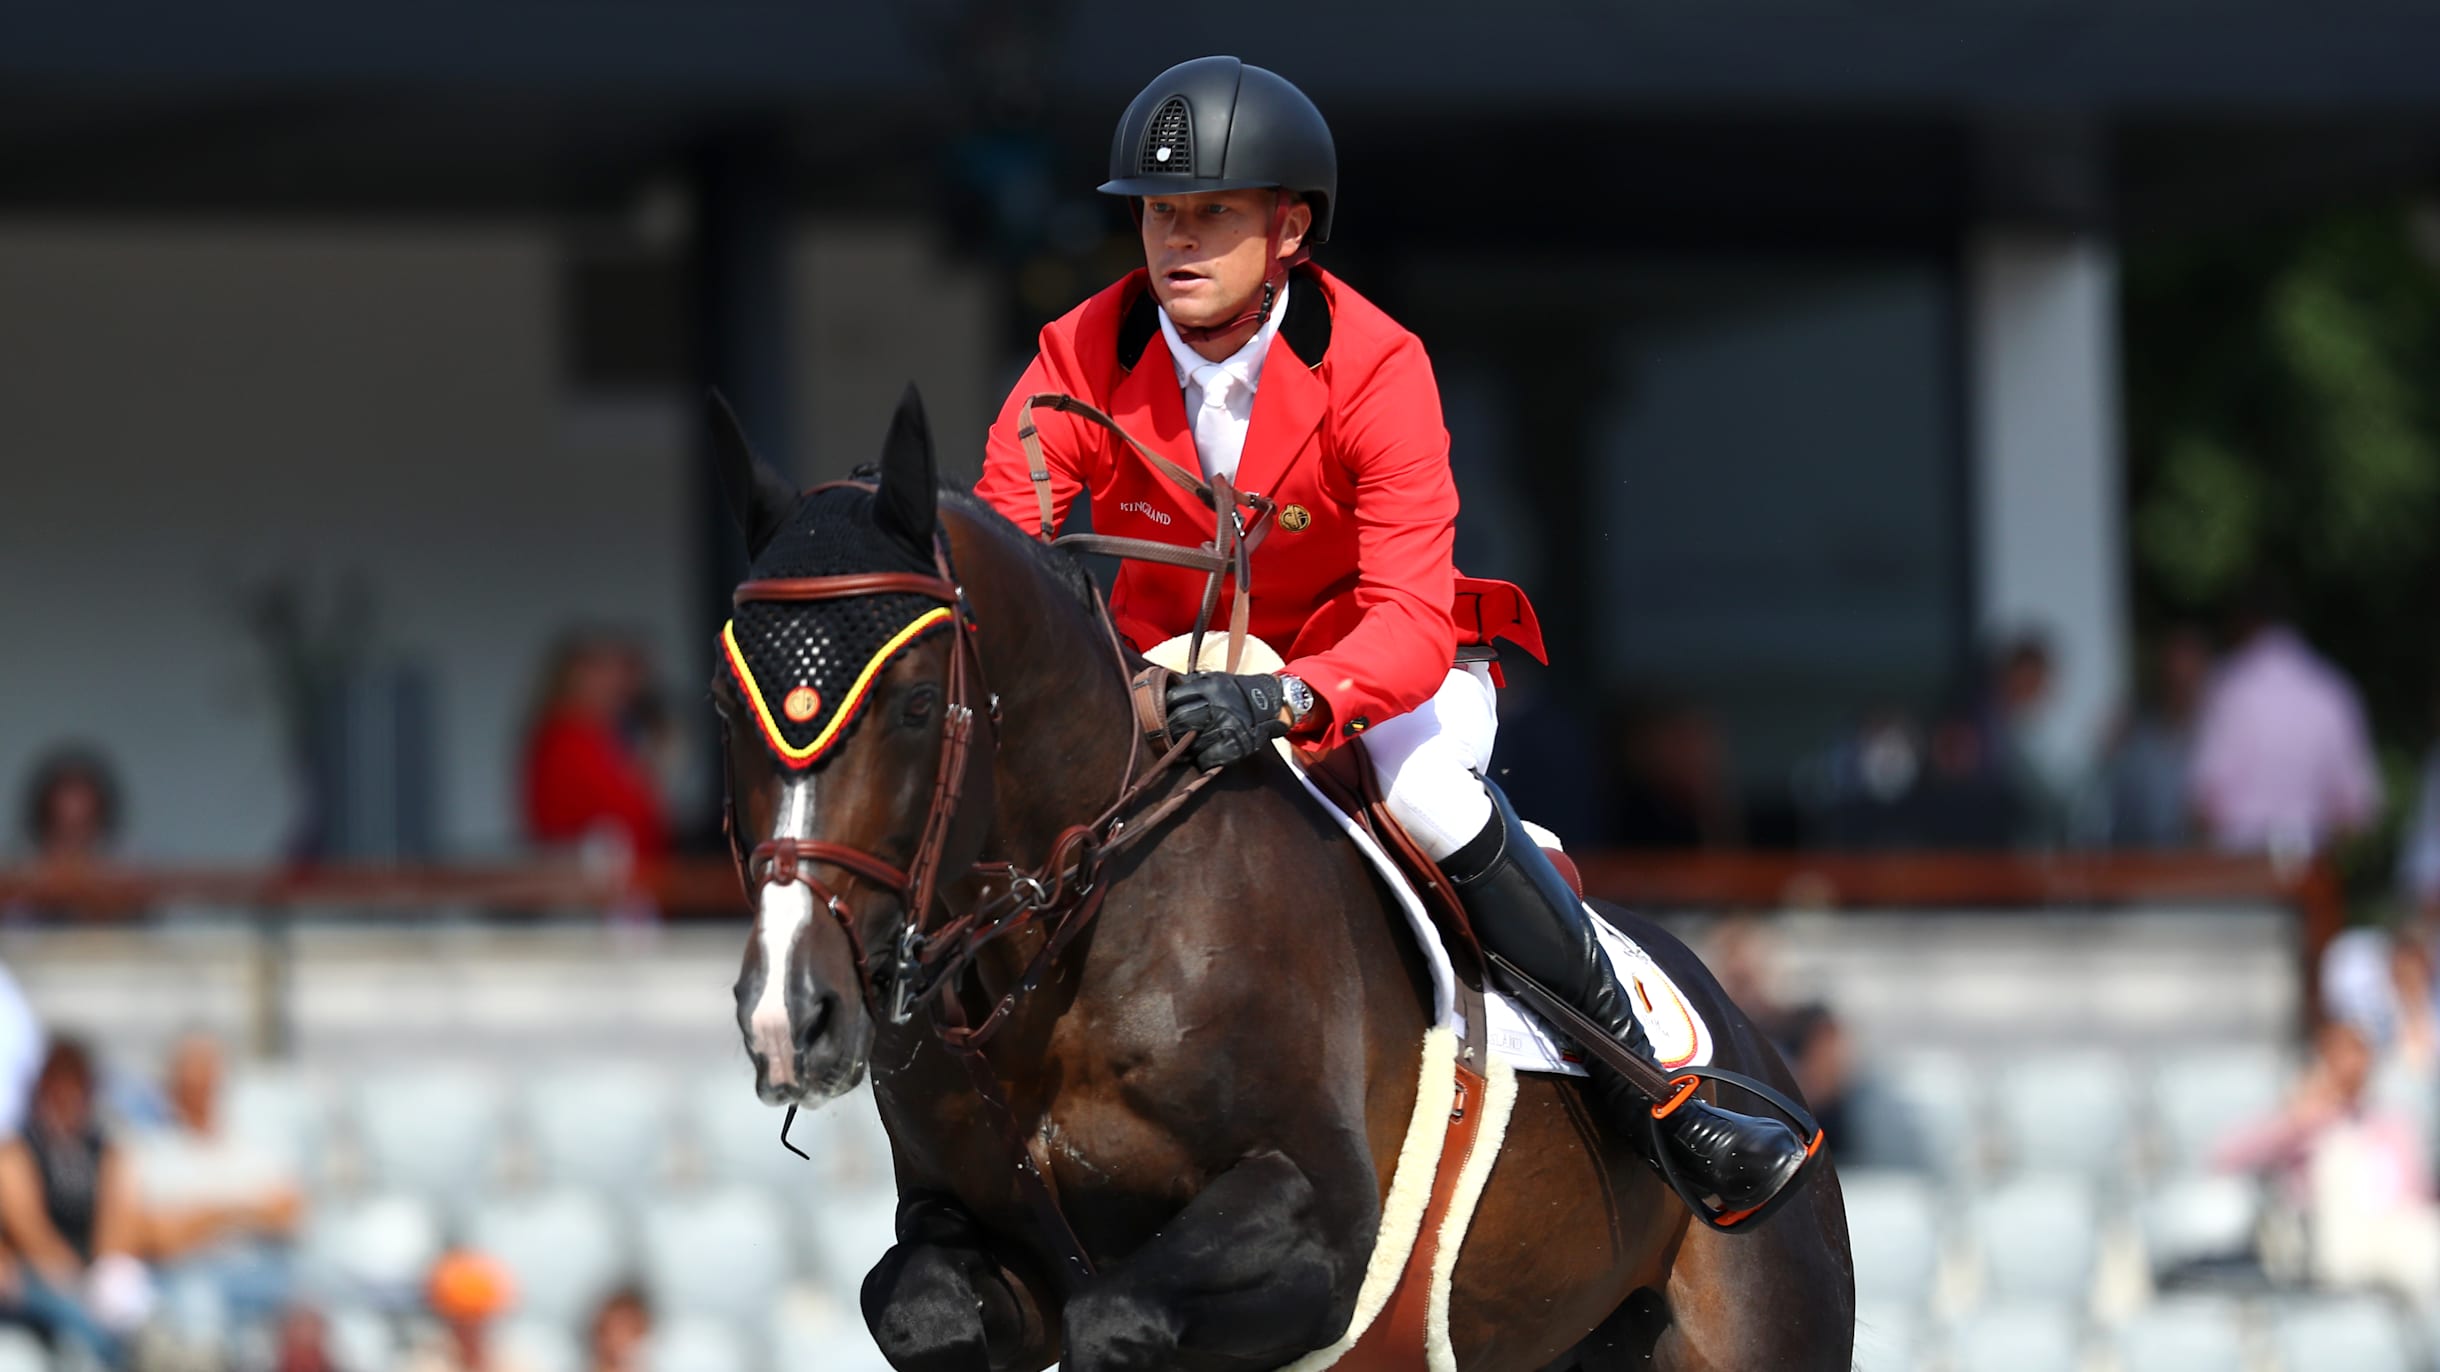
[[1739, 953], [2355, 1171], [2415, 1038], [2419, 846], [1673, 789], [1971, 793], [69, 1211], [1823, 1062], [620, 1329], [1854, 790], [467, 1292], [71, 808], [1896, 784], [1742, 955], [2151, 763], [2019, 691], [2281, 760], [71, 817], [302, 1343], [217, 1212], [2380, 982], [584, 775]]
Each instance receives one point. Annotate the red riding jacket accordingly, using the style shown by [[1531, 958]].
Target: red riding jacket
[[1357, 585]]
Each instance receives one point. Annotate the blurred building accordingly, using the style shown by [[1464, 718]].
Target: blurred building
[[1778, 344]]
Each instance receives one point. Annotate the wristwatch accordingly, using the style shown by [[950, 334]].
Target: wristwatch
[[1300, 698]]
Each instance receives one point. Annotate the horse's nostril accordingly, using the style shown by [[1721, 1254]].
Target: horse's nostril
[[811, 1023]]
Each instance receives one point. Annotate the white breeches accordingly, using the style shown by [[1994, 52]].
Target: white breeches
[[1430, 761]]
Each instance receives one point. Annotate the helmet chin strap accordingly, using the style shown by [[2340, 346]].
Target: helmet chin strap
[[1280, 266]]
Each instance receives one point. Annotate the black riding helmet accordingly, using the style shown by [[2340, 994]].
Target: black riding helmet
[[1217, 124]]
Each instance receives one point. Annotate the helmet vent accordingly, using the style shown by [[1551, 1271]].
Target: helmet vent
[[1169, 140]]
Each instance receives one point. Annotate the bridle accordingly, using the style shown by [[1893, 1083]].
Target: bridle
[[935, 947]]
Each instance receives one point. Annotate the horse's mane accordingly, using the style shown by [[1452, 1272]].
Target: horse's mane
[[1058, 564]]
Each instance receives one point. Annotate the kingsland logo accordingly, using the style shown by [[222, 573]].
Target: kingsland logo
[[1144, 508]]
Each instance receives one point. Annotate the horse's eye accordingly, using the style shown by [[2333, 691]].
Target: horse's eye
[[918, 709]]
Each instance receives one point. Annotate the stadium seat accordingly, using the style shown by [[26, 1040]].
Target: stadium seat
[[2183, 1335], [2065, 1112], [603, 1125], [849, 1147], [693, 1343], [2199, 1098], [2198, 1218], [531, 1345], [2015, 1338], [278, 1112], [814, 1330], [2358, 1334], [736, 1136], [2037, 1237], [851, 1229], [563, 1247], [434, 1129], [360, 1338], [721, 1254], [1893, 1230], [22, 1351], [1919, 1111], [375, 1251]]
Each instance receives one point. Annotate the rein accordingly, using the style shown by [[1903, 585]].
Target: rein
[[1064, 893]]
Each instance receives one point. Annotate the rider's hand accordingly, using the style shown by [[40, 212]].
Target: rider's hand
[[1231, 716]]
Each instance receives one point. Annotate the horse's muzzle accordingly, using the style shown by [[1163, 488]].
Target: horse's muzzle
[[811, 1047]]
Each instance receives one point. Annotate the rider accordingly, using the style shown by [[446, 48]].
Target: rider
[[1230, 352]]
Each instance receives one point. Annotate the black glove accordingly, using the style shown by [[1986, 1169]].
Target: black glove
[[1231, 716]]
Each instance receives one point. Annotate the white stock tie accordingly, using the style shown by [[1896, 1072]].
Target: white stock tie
[[1217, 439]]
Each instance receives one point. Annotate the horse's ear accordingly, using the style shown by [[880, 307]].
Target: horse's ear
[[907, 504], [760, 499]]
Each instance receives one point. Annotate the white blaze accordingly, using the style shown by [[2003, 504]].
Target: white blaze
[[782, 913]]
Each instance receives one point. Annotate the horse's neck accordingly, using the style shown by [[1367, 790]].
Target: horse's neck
[[1065, 718]]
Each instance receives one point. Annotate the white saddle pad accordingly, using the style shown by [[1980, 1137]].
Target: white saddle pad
[[1680, 1038], [1516, 1035]]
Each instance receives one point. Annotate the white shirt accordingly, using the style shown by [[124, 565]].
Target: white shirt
[[1220, 395]]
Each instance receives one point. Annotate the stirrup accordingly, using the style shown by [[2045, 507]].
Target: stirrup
[[1688, 1080]]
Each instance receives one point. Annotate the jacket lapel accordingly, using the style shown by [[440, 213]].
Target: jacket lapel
[[1149, 405], [1288, 407]]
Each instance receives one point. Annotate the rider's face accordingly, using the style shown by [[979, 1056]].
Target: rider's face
[[1208, 252]]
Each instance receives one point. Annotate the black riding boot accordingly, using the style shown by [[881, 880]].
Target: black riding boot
[[1524, 911]]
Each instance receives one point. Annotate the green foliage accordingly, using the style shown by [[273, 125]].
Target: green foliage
[[2283, 406]]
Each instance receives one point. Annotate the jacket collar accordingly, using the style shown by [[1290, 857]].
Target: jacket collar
[[1288, 405], [1305, 326]]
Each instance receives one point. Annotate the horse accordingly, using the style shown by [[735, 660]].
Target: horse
[[1209, 1081]]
